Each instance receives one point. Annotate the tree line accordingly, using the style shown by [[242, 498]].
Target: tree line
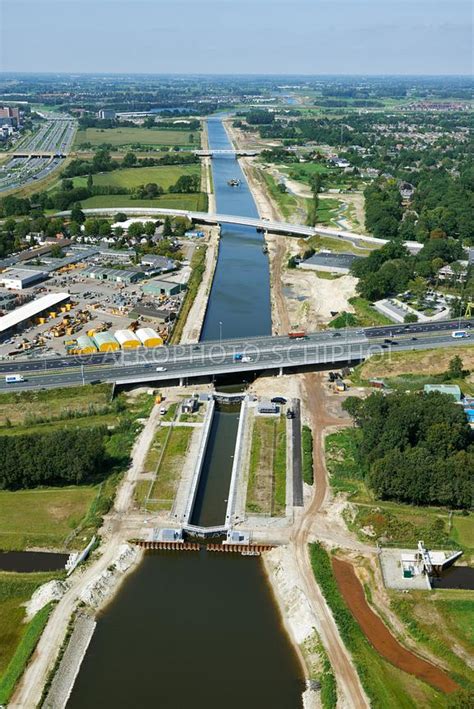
[[415, 448], [61, 457]]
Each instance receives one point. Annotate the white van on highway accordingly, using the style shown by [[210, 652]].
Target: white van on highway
[[13, 378]]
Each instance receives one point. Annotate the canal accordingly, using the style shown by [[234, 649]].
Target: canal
[[213, 489], [202, 629]]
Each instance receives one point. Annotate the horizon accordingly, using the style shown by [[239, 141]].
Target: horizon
[[251, 37]]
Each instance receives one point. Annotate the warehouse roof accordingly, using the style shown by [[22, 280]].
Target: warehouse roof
[[451, 389], [25, 312], [22, 274]]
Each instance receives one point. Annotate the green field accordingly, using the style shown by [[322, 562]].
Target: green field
[[25, 407], [136, 136], [266, 490], [164, 175], [170, 467], [18, 639], [399, 523], [194, 202], [42, 517]]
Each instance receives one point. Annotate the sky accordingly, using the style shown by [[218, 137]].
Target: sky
[[237, 36]]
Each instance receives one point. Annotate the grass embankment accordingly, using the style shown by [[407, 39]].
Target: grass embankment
[[47, 517], [307, 449], [31, 407], [397, 523], [442, 622], [169, 448], [18, 639], [198, 265], [163, 175], [286, 202], [338, 246], [266, 490], [128, 137], [196, 201], [365, 315], [412, 370], [385, 685]]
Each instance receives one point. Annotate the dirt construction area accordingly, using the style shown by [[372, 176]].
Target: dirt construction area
[[310, 300], [380, 637]]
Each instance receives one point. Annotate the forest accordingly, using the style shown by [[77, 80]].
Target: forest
[[415, 447]]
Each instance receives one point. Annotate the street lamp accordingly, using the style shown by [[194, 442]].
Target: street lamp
[[220, 331]]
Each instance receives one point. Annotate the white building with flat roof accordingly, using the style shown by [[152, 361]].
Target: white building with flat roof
[[22, 316]]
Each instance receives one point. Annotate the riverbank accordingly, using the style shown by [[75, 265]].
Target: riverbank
[[206, 172], [195, 319], [297, 616]]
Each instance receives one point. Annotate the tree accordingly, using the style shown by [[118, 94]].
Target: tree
[[410, 317], [91, 227], [90, 181], [56, 251], [455, 369], [129, 160], [167, 228], [104, 228], [419, 288], [149, 228], [136, 229], [77, 215], [120, 217]]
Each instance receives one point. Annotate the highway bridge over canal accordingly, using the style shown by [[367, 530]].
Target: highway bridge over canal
[[182, 364]]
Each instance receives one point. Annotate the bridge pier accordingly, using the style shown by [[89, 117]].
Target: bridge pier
[[280, 372]]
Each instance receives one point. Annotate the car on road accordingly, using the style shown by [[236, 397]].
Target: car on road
[[161, 369], [278, 400]]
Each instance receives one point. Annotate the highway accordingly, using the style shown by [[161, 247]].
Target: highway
[[177, 362], [36, 156], [276, 227]]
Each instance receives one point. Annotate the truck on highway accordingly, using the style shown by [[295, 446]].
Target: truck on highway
[[300, 335], [460, 333], [13, 378], [238, 357]]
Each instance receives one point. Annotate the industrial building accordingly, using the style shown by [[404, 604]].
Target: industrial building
[[149, 337], [127, 339], [116, 275], [85, 345], [16, 279], [158, 287], [330, 262], [105, 342], [450, 389], [23, 316]]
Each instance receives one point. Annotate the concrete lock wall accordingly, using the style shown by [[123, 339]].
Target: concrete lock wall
[[200, 460]]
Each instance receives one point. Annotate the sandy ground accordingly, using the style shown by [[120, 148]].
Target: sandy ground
[[311, 301], [193, 326]]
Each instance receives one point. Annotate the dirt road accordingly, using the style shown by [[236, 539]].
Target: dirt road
[[116, 531], [349, 687], [380, 637]]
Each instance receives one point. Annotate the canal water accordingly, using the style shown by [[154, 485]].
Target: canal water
[[240, 294], [202, 630], [190, 630], [30, 561], [213, 489]]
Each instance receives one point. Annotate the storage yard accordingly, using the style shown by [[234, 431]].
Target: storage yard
[[90, 299]]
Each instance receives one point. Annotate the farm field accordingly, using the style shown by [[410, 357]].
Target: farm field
[[165, 176], [136, 136], [196, 201], [42, 517]]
